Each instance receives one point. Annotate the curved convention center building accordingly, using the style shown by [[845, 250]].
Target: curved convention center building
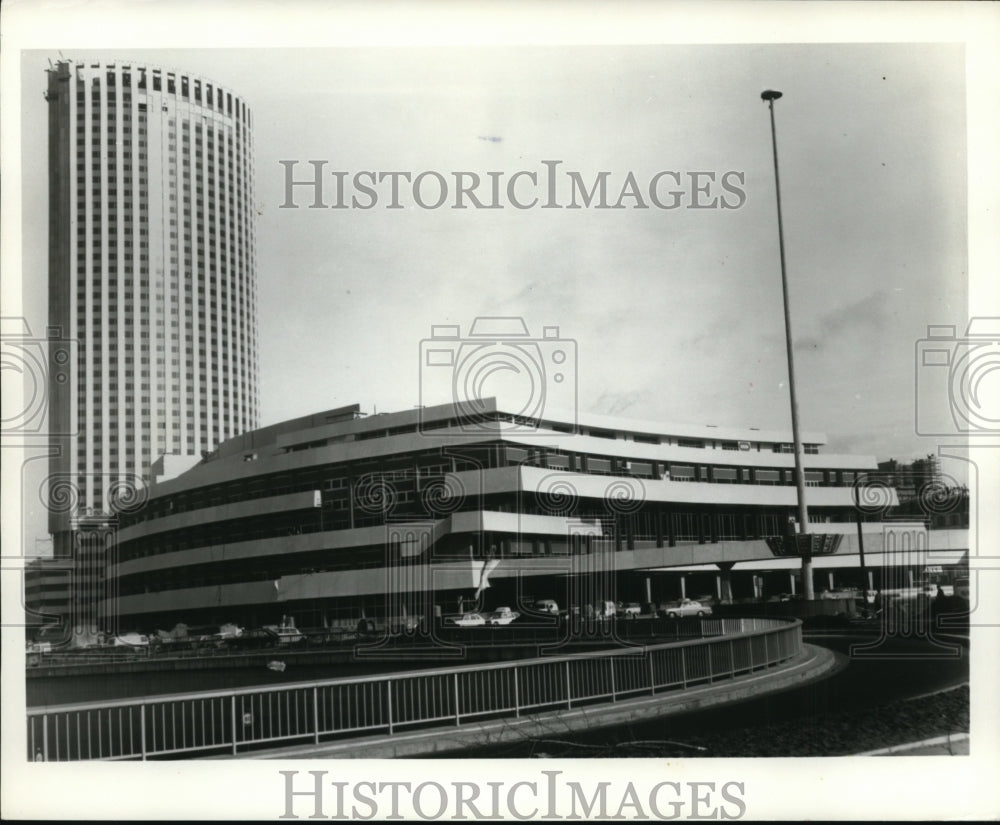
[[338, 516]]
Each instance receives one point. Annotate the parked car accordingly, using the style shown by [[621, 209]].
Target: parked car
[[502, 615], [684, 607], [470, 620], [547, 606], [130, 640], [631, 610], [840, 593], [605, 609]]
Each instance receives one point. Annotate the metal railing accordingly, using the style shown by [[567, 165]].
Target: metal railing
[[241, 720]]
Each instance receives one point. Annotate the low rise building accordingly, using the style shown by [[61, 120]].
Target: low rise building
[[337, 517]]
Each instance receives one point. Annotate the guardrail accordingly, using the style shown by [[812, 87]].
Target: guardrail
[[237, 721]]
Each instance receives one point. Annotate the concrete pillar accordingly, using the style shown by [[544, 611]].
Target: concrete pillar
[[791, 583], [724, 583], [829, 579], [871, 579], [909, 575], [649, 589], [683, 586]]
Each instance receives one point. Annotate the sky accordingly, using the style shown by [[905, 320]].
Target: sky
[[676, 314]]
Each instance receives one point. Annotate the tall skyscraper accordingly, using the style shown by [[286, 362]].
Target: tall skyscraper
[[152, 277]]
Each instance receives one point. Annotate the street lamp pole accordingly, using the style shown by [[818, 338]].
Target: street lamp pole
[[800, 484]]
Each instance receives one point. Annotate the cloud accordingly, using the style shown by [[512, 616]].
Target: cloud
[[858, 318], [618, 403]]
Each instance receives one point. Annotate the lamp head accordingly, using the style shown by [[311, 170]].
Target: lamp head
[[769, 95]]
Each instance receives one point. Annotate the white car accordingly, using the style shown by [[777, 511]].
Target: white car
[[631, 610], [130, 640], [502, 615], [685, 607], [840, 593], [471, 620]]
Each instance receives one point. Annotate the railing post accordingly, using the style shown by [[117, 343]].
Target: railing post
[[142, 729], [517, 693], [611, 665], [388, 696], [732, 659], [316, 714], [45, 737], [457, 708], [684, 672], [232, 717], [652, 672], [569, 692]]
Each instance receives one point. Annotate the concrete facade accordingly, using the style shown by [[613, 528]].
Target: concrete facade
[[339, 516], [152, 274], [152, 292]]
